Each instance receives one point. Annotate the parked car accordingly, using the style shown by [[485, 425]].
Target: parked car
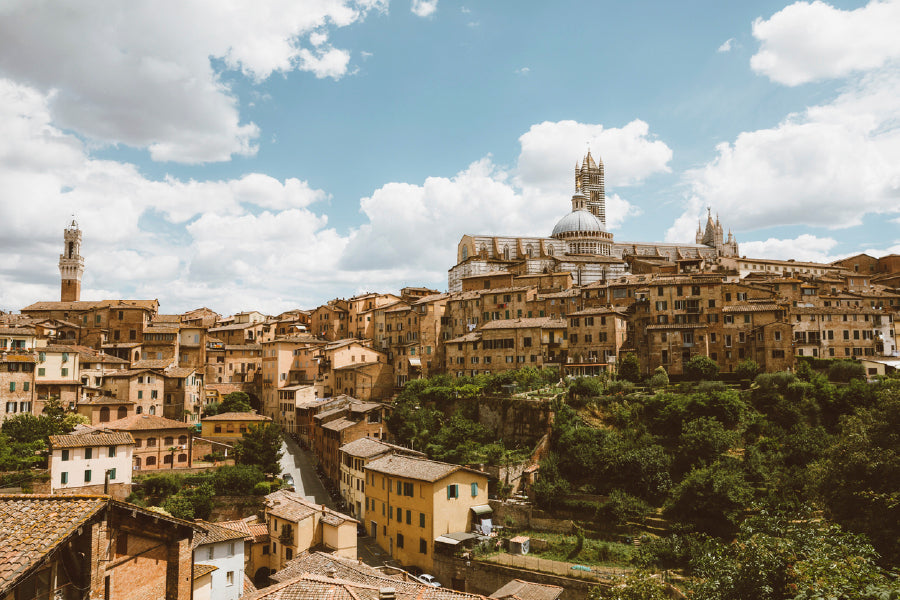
[[288, 479], [429, 580]]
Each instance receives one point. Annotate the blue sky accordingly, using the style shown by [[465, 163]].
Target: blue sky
[[283, 153]]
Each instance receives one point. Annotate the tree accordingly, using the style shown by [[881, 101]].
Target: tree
[[630, 368], [711, 498], [794, 556], [659, 379], [747, 369], [701, 368], [845, 370], [261, 446], [235, 402], [640, 585], [702, 441]]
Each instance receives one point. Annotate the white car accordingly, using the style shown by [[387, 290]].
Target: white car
[[429, 580]]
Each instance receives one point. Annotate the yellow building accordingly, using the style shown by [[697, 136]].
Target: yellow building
[[230, 427], [410, 502]]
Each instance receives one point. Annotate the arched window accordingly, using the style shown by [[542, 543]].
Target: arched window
[[529, 251], [465, 252], [152, 410], [122, 412], [137, 462], [182, 458], [104, 414], [137, 355], [138, 442], [182, 439], [151, 461], [505, 252], [167, 459], [151, 442], [139, 410], [169, 440], [549, 250]]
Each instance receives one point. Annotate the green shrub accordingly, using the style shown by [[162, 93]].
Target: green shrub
[[701, 368], [621, 508], [261, 489], [845, 370], [659, 379], [747, 369]]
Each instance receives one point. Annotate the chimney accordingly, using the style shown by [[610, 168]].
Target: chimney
[[387, 593]]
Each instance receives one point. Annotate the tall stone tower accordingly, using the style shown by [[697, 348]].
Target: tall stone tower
[[714, 236], [589, 179], [71, 264]]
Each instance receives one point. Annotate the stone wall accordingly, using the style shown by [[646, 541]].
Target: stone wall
[[476, 577], [515, 420], [525, 516], [231, 508]]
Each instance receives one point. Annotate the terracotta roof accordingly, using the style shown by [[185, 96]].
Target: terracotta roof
[[249, 588], [541, 322], [339, 424], [89, 304], [33, 526], [368, 447], [527, 590], [153, 363], [294, 507], [201, 570], [412, 468], [103, 400], [678, 326], [469, 337], [237, 416], [146, 423], [94, 438], [309, 570], [256, 532], [751, 308], [214, 533], [259, 531], [587, 312]]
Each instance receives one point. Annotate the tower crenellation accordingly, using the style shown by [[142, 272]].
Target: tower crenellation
[[71, 264]]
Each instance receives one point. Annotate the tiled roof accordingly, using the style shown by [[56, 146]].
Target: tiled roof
[[153, 363], [257, 532], [350, 576], [469, 337], [89, 304], [837, 310], [339, 424], [666, 326], [291, 506], [368, 447], [214, 533], [33, 526], [527, 590], [237, 416], [201, 570], [179, 372], [542, 322], [146, 423], [741, 308], [412, 468], [587, 312], [249, 588], [103, 400], [95, 438]]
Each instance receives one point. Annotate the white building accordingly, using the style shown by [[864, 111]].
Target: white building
[[79, 462], [222, 548]]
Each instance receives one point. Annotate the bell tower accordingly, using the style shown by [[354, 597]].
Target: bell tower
[[589, 179], [71, 264]]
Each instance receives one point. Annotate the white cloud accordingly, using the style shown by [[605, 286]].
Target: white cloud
[[804, 247], [808, 41], [264, 243], [420, 225], [726, 45], [139, 73], [424, 8], [828, 166], [523, 71]]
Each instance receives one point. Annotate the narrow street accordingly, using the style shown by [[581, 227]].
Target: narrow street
[[299, 464]]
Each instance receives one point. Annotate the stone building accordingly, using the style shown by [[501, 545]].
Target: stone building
[[580, 243], [71, 264], [92, 547]]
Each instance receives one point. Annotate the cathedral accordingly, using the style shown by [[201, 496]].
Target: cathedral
[[580, 243]]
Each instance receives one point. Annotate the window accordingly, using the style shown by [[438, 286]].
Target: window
[[408, 489], [64, 372], [452, 491], [408, 517], [112, 474], [474, 488], [229, 577], [112, 451], [88, 453], [423, 546], [399, 540], [65, 454], [421, 519], [288, 553], [210, 553], [42, 371], [231, 549], [87, 476], [12, 386], [399, 515], [64, 478]]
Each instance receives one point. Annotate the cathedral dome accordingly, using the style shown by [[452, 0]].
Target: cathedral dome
[[578, 221]]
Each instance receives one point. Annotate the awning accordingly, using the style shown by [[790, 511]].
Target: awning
[[482, 509], [445, 540], [415, 361]]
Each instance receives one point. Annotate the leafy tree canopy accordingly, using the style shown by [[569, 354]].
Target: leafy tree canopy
[[261, 446]]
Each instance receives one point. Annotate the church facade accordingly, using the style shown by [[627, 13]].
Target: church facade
[[580, 243]]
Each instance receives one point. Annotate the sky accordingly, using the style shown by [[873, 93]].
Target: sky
[[272, 155]]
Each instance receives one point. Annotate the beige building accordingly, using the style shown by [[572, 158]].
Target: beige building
[[296, 525], [159, 443], [413, 502], [230, 427], [504, 345]]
